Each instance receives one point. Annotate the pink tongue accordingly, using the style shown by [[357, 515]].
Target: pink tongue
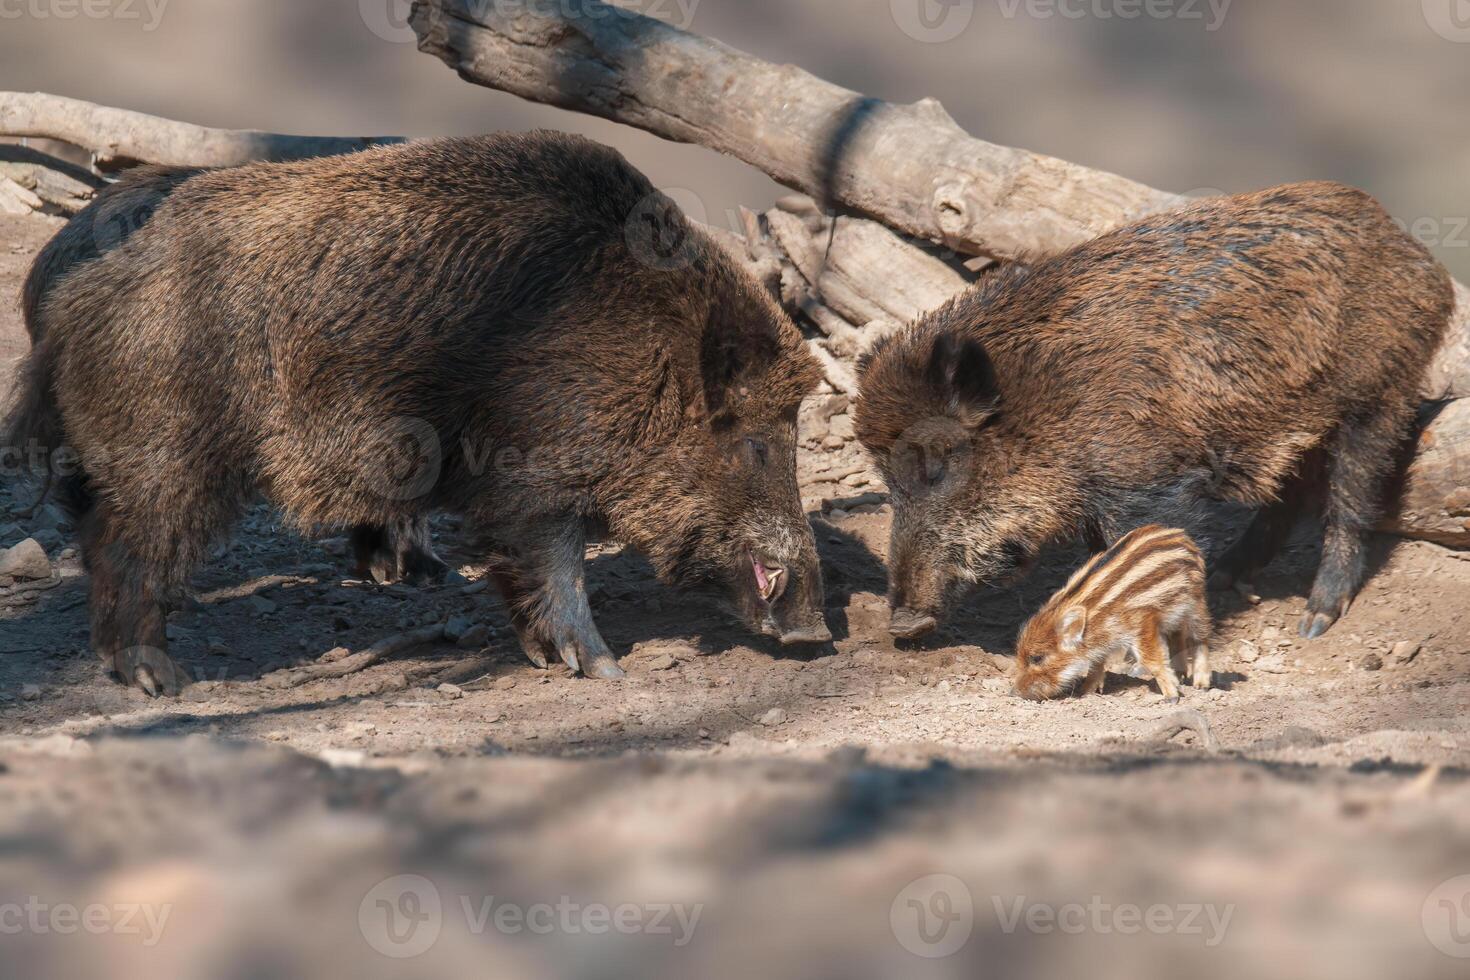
[[760, 575]]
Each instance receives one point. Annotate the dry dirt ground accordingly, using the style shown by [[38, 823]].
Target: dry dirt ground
[[790, 797]]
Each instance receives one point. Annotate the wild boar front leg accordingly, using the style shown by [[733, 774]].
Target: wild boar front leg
[[128, 625], [550, 578]]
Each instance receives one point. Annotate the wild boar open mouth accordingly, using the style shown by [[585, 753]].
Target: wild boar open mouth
[[770, 578]]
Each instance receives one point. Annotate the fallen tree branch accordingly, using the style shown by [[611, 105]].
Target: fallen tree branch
[[59, 186], [911, 167], [341, 666], [118, 138]]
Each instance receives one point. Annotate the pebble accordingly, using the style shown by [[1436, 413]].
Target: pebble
[[450, 691], [662, 662], [1371, 661], [1403, 652], [261, 605], [774, 717], [505, 683], [475, 637], [1247, 652], [456, 627], [26, 560], [30, 692]]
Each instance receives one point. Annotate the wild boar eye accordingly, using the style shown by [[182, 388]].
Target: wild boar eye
[[1037, 659], [754, 451]]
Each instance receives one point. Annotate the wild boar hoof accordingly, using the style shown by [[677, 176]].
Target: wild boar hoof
[[1314, 625], [604, 668], [151, 670], [807, 634], [906, 624]]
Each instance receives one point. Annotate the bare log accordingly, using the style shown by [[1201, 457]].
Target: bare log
[[118, 138], [1434, 504], [910, 167], [56, 185]]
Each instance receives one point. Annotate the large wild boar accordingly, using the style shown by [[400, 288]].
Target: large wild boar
[[480, 326], [1228, 351], [399, 552]]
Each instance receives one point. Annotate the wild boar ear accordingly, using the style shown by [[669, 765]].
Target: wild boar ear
[[1072, 628], [961, 370], [728, 353]]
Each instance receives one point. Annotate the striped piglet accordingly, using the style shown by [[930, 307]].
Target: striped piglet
[[1144, 595]]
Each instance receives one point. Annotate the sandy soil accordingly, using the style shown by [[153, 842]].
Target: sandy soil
[[794, 796]]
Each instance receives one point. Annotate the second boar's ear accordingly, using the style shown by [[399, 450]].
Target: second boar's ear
[[964, 375], [1072, 628]]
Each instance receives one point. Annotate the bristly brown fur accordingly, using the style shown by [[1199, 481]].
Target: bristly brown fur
[[1195, 355], [461, 325]]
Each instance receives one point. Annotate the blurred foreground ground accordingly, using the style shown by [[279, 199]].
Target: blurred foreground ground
[[730, 809]]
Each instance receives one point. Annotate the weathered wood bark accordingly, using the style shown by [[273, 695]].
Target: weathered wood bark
[[1435, 502], [54, 185], [118, 137], [910, 167]]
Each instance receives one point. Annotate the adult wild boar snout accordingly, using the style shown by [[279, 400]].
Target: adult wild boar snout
[[916, 588], [788, 578]]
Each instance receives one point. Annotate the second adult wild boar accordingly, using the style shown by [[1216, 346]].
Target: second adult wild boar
[[1226, 351], [479, 326]]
